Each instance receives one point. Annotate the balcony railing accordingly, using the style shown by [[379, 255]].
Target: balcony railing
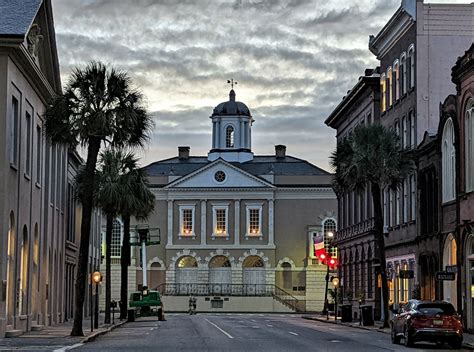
[[242, 290], [355, 230]]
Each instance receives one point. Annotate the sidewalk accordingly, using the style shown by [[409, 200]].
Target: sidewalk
[[57, 337], [377, 327]]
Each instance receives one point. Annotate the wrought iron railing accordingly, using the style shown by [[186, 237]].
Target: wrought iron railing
[[355, 230], [243, 290]]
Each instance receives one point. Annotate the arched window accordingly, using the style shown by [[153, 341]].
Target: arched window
[[411, 57], [448, 161], [396, 75], [229, 137], [389, 87], [329, 230], [403, 73], [469, 146], [383, 89], [404, 132]]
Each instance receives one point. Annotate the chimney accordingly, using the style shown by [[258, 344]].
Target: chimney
[[183, 153], [280, 151]]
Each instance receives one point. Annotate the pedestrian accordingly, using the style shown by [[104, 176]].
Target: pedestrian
[[192, 304]]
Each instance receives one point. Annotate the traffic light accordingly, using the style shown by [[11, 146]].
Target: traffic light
[[332, 262], [322, 255]]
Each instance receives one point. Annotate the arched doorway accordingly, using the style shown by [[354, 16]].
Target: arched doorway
[[449, 259], [10, 303], [284, 277], [157, 275], [24, 273], [186, 275], [220, 275], [254, 277], [35, 283]]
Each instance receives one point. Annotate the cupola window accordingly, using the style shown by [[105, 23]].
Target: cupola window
[[229, 137]]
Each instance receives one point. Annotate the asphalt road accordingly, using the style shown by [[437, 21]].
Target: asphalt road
[[242, 332]]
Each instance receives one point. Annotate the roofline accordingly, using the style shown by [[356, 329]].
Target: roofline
[[376, 40], [364, 81]]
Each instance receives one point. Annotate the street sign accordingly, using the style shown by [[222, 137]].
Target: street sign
[[445, 276], [406, 274], [451, 268]]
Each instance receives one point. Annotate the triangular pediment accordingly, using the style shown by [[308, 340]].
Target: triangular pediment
[[40, 43], [219, 174]]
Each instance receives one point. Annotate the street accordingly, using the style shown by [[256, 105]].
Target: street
[[243, 332]]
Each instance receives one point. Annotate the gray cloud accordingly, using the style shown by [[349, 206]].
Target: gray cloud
[[293, 59]]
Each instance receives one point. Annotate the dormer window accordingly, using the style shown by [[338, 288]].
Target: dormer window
[[229, 137]]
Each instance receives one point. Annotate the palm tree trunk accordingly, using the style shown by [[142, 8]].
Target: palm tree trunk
[[82, 264], [108, 244], [125, 262], [380, 241]]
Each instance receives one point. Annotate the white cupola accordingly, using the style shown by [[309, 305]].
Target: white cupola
[[231, 131]]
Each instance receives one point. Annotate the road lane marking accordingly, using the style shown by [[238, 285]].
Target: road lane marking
[[293, 333], [332, 329], [67, 348], [253, 320], [224, 332], [336, 341], [270, 326]]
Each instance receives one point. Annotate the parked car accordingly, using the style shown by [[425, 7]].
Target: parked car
[[435, 321]]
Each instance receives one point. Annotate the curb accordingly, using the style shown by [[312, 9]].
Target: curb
[[93, 336], [348, 325], [467, 345]]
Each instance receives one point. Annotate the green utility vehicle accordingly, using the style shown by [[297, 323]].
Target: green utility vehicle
[[147, 303]]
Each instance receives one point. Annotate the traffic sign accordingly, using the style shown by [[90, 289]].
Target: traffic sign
[[445, 276], [406, 274], [451, 268]]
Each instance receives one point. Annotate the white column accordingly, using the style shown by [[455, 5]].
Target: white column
[[218, 134], [203, 222], [237, 222], [242, 134], [270, 223], [213, 134], [249, 134], [144, 263], [170, 222]]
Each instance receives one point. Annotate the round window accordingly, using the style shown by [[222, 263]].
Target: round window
[[219, 176]]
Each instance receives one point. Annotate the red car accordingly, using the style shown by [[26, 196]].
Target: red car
[[427, 321]]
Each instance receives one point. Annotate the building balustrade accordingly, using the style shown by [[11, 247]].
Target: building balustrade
[[355, 230]]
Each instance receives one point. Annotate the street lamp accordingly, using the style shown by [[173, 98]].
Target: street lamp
[[335, 282], [96, 278]]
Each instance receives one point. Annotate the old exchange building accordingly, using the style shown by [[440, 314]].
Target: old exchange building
[[237, 224]]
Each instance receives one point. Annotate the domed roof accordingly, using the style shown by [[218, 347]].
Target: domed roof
[[231, 107]]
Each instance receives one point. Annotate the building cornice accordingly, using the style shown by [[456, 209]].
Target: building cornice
[[364, 82], [395, 28]]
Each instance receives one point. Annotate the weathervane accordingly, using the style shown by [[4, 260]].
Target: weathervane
[[231, 81]]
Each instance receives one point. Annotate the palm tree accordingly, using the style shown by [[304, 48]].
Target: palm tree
[[372, 156], [137, 201], [115, 165], [98, 105]]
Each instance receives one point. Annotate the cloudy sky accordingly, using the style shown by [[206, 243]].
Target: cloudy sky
[[294, 60]]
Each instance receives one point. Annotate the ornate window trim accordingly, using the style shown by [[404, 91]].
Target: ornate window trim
[[448, 162], [248, 233], [182, 231], [469, 146], [215, 232]]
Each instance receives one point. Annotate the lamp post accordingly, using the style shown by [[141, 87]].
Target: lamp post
[[330, 235], [96, 278], [335, 282]]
